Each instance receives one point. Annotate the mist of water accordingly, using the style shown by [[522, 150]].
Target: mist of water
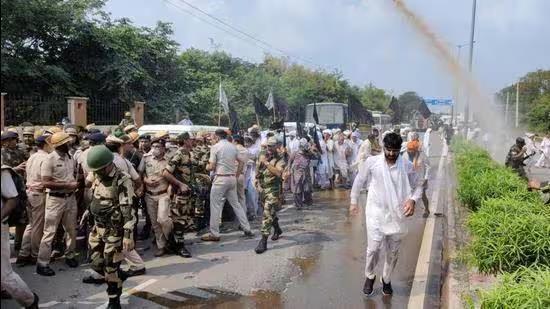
[[485, 115]]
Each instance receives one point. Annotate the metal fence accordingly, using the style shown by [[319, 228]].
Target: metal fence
[[106, 112], [34, 109]]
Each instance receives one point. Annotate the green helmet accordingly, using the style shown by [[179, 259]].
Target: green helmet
[[99, 157]]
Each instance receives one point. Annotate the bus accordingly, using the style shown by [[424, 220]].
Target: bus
[[331, 114], [381, 121]]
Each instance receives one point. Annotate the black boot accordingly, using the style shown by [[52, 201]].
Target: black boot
[[262, 245], [183, 252], [114, 292], [276, 229], [34, 304], [114, 303]]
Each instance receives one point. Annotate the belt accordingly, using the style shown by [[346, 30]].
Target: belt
[[156, 193], [225, 175], [35, 190], [60, 194]]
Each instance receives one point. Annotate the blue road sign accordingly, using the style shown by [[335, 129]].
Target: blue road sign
[[439, 102]]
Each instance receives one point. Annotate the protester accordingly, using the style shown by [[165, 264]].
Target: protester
[[390, 200]]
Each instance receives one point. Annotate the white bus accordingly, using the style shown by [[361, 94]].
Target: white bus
[[381, 121], [331, 114]]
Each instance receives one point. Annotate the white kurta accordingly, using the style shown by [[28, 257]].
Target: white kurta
[[330, 157], [544, 160], [426, 144], [389, 189]]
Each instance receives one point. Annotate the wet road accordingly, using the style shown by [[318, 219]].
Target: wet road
[[318, 263]]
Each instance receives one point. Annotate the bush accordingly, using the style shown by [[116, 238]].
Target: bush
[[509, 233], [525, 288]]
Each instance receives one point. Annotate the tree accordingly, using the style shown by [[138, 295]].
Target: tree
[[408, 103], [539, 117]]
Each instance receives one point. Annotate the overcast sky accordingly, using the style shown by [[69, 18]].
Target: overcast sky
[[367, 40]]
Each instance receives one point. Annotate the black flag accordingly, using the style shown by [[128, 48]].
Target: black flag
[[424, 110], [299, 130], [281, 107], [277, 125], [234, 121], [259, 107], [357, 112], [315, 115], [394, 106]]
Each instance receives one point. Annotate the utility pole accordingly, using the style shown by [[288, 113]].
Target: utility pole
[[507, 104], [517, 104], [472, 31]]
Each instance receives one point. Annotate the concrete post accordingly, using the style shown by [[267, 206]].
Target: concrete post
[[77, 110], [138, 112], [2, 112]]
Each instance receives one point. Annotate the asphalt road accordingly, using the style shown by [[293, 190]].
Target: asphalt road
[[318, 263]]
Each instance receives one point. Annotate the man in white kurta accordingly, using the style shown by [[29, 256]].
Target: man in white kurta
[[426, 144], [342, 151], [544, 160], [327, 136], [390, 200]]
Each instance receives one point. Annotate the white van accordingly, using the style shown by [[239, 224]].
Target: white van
[[176, 129]]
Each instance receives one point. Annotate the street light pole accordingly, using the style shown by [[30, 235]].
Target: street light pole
[[472, 31]]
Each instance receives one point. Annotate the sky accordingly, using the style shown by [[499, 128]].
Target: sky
[[368, 41]]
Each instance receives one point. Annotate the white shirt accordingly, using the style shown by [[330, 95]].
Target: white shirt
[[8, 187], [224, 155]]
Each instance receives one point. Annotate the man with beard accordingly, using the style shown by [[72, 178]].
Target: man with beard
[[58, 177], [390, 200]]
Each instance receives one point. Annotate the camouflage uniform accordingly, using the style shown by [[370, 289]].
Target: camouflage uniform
[[200, 155], [126, 122], [181, 206], [271, 188], [111, 207], [13, 157], [516, 164]]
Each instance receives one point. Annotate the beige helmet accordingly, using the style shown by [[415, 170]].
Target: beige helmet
[[111, 139], [134, 136], [127, 114], [71, 131], [58, 139]]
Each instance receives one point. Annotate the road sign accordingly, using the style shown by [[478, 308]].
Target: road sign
[[439, 102]]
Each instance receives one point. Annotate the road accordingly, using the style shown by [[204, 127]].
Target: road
[[318, 263]]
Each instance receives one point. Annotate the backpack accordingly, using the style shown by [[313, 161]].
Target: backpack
[[19, 214]]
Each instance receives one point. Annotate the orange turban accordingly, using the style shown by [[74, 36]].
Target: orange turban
[[413, 145]]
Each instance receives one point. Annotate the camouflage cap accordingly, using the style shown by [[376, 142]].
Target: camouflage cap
[[111, 139], [28, 131], [183, 136]]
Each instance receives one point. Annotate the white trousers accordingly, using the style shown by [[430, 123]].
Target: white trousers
[[223, 188], [544, 161], [12, 282], [391, 244]]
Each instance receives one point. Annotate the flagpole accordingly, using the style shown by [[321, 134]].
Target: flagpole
[[220, 102], [258, 120]]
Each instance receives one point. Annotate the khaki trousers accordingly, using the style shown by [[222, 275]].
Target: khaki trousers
[[34, 230], [158, 207], [225, 188], [240, 192], [11, 281], [58, 209]]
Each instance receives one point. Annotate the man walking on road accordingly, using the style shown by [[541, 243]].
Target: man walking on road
[[223, 161], [390, 200]]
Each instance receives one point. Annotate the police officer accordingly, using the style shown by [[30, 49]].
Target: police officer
[[126, 121], [516, 156], [179, 172], [12, 156], [156, 193], [28, 145], [111, 207], [224, 158], [37, 201], [58, 177], [270, 167]]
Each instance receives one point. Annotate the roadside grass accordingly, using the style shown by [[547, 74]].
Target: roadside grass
[[509, 229]]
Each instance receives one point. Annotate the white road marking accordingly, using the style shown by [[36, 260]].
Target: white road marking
[[418, 290]]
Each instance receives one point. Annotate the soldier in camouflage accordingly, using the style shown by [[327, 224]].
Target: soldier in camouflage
[[516, 156], [199, 156], [111, 207], [126, 121], [28, 145], [270, 167], [179, 172], [12, 156]]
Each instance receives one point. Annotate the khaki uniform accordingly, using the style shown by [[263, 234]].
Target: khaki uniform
[[224, 187], [60, 206], [157, 198], [242, 157], [111, 207], [36, 208], [270, 192]]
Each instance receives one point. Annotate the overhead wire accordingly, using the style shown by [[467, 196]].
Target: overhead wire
[[241, 32]]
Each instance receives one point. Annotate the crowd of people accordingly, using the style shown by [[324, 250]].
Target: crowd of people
[[64, 181]]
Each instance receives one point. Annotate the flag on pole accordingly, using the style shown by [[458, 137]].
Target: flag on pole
[[234, 120], [259, 108], [394, 106], [270, 101], [424, 110], [315, 115], [223, 100]]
